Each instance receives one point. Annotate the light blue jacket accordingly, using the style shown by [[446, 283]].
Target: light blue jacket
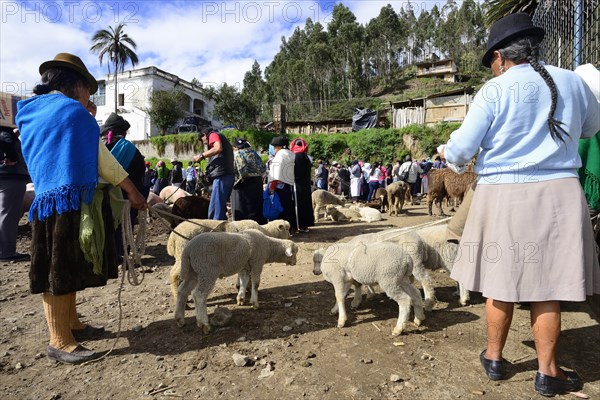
[[508, 124]]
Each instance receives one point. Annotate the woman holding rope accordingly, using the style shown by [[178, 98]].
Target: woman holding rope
[[539, 248], [62, 147]]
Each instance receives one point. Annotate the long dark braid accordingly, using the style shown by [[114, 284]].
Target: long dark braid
[[556, 130], [526, 49]]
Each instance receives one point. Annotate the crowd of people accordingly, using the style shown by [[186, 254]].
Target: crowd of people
[[360, 180], [75, 244]]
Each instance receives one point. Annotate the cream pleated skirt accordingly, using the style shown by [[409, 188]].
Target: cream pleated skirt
[[529, 242]]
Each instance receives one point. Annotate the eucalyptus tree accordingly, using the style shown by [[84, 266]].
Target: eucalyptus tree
[[347, 42], [253, 91], [385, 39]]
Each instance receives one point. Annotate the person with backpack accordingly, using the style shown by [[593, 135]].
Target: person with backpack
[[408, 172], [247, 195]]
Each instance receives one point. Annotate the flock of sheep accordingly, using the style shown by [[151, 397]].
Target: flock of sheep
[[205, 250]]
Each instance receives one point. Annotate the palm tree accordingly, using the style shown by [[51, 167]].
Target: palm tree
[[115, 45], [497, 9]]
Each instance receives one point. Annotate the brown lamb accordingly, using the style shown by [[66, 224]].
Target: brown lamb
[[396, 193], [190, 207], [447, 183], [381, 196]]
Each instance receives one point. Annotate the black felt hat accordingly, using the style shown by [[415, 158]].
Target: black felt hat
[[507, 29], [115, 123], [241, 143], [279, 141]]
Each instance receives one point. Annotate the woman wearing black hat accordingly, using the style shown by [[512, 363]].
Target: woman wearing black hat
[[113, 133], [539, 249], [61, 146], [281, 179], [246, 198]]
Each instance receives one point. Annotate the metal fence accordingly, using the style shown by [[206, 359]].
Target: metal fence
[[572, 32]]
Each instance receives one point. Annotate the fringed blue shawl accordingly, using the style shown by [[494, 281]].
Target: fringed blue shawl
[[60, 146]]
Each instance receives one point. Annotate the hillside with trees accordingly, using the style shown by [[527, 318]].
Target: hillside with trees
[[324, 72]]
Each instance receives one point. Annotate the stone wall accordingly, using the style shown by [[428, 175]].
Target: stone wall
[[148, 150]]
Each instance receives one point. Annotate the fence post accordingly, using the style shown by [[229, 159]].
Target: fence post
[[578, 29]]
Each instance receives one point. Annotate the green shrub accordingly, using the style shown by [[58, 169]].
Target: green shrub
[[370, 145], [182, 142]]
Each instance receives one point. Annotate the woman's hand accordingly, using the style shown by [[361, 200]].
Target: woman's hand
[[135, 197], [92, 108], [138, 201]]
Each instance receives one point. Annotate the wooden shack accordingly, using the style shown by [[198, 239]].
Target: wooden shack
[[323, 126], [442, 69], [450, 106]]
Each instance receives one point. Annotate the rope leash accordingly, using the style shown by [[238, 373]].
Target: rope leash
[[157, 214], [134, 247], [178, 187], [403, 231]]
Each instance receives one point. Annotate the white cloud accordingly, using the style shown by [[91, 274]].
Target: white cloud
[[213, 41]]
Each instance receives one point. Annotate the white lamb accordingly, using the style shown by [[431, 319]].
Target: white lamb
[[428, 249], [153, 199], [442, 254], [320, 198], [277, 229], [215, 255], [382, 263], [170, 194], [368, 214]]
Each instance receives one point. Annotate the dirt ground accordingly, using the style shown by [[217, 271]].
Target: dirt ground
[[295, 349]]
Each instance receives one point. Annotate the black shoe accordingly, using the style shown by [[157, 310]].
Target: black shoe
[[89, 332], [17, 257], [494, 369], [77, 356], [550, 386]]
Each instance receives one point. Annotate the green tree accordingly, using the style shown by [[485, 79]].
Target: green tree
[[231, 107], [253, 92], [166, 108], [115, 44], [347, 44], [386, 36]]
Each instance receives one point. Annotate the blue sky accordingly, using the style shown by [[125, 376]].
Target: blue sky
[[213, 41]]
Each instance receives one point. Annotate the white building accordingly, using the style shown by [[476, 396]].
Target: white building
[[135, 87]]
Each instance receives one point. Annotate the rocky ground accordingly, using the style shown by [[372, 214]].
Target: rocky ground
[[290, 348]]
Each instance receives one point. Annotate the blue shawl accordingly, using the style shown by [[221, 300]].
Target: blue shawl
[[60, 146], [123, 151]]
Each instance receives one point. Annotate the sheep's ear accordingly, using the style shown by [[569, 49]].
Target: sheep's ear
[[289, 252]]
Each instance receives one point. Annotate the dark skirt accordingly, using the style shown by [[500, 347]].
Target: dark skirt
[[58, 265], [306, 216], [160, 184], [286, 197], [247, 200]]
